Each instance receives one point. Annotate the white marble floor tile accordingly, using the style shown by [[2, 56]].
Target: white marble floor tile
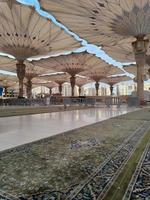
[[19, 130]]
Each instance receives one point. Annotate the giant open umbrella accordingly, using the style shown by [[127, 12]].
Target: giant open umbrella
[[7, 81], [132, 69], [98, 73], [111, 81], [31, 70], [106, 23], [81, 81], [123, 52], [72, 64], [24, 34], [58, 78], [49, 85]]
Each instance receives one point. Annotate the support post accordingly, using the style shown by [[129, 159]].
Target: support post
[[29, 88], [50, 91], [5, 90], [72, 82], [97, 87], [111, 90], [79, 90], [21, 75], [60, 88], [140, 49]]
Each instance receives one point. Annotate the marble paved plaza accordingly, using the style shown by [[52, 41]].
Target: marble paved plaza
[[19, 130]]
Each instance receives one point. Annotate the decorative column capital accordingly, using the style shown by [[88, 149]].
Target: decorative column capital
[[140, 46]]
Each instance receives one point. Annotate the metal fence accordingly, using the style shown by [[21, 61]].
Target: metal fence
[[22, 102], [80, 101], [47, 101], [110, 101], [58, 100], [72, 100]]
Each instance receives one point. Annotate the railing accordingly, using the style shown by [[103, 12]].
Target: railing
[[47, 101], [110, 101], [80, 101], [72, 100], [22, 102], [59, 100]]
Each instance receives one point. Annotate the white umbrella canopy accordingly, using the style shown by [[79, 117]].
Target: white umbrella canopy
[[100, 21], [25, 34], [132, 69], [102, 72], [106, 23], [8, 81], [111, 81], [34, 71], [116, 79], [73, 64], [80, 81], [122, 52], [59, 79], [49, 85], [4, 77], [9, 64], [96, 74], [31, 70]]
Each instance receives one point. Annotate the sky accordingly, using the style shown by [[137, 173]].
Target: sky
[[86, 47]]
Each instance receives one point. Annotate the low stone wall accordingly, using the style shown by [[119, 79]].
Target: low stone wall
[[28, 110]]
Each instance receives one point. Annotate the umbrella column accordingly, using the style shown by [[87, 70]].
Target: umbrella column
[[111, 89], [5, 90], [97, 87], [21, 75], [79, 90], [50, 91], [29, 88], [60, 87], [29, 75], [73, 83], [140, 48]]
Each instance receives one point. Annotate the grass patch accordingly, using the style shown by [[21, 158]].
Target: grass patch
[[119, 187]]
